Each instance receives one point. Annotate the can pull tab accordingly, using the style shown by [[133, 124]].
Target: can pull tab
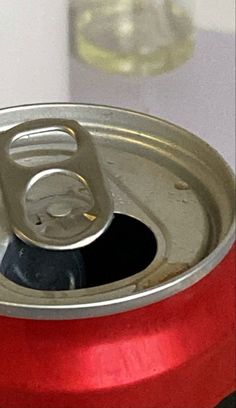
[[70, 216]]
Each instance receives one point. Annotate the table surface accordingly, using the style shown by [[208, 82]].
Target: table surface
[[37, 66]]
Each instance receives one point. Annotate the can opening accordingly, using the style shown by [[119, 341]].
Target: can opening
[[127, 247]]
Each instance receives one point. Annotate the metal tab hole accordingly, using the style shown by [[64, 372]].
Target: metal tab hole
[[41, 148], [56, 202]]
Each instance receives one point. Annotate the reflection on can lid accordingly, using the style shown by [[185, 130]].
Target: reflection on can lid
[[157, 173]]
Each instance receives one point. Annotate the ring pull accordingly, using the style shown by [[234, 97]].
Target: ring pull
[[64, 219]]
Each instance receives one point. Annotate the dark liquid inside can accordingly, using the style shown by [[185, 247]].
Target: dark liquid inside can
[[42, 269]]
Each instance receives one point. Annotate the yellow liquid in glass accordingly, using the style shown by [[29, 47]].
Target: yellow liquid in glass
[[134, 36]]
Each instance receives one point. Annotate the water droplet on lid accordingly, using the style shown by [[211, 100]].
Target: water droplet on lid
[[182, 185]]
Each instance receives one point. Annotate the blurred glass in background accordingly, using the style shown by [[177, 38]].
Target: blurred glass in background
[[133, 36], [38, 65]]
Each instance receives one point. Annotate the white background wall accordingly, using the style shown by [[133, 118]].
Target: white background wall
[[33, 51], [217, 15]]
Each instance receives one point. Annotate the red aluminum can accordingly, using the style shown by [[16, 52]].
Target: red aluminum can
[[155, 325]]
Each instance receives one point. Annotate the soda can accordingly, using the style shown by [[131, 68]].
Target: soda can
[[117, 254]]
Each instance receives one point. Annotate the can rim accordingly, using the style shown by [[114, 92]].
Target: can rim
[[148, 296]]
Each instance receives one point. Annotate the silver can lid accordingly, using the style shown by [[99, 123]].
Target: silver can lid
[[158, 174]]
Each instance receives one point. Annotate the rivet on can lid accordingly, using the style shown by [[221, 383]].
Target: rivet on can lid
[[59, 210]]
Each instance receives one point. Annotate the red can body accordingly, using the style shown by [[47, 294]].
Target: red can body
[[177, 353]]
